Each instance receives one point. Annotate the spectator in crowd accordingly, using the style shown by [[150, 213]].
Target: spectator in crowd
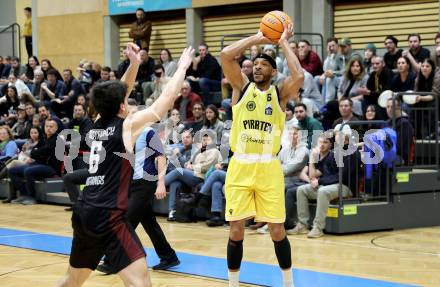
[[144, 75], [327, 80], [46, 66], [435, 57], [81, 123], [42, 164], [167, 62], [324, 181], [27, 30], [270, 50], [9, 102], [123, 66], [424, 120], [354, 78], [30, 111], [290, 121], [416, 53], [28, 76], [45, 115], [246, 65], [212, 122], [294, 158], [113, 75], [307, 124], [152, 90], [213, 187], [19, 84], [294, 46], [51, 88], [17, 69], [310, 93], [254, 51], [173, 128], [181, 155], [72, 86], [8, 147], [346, 111], [393, 53], [105, 74], [379, 81], [246, 68], [6, 70], [26, 97], [140, 31], [197, 122], [346, 54], [369, 53], [405, 78], [371, 114], [404, 131], [309, 60], [22, 125], [38, 80], [34, 140], [205, 75], [194, 172], [185, 103]]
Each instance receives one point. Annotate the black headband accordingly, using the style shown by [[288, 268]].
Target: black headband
[[267, 58]]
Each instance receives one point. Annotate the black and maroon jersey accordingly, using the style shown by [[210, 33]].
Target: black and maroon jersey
[[110, 173]]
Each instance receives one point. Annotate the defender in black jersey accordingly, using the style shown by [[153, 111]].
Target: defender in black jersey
[[99, 223]]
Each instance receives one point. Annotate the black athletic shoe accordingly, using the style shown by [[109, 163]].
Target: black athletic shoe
[[166, 264], [215, 221], [105, 268]]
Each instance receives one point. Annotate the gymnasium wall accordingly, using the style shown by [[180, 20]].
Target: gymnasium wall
[[70, 30], [6, 18]]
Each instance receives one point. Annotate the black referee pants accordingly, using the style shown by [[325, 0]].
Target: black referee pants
[[140, 210]]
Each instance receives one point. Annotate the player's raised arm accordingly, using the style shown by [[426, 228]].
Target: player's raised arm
[[134, 124], [230, 66], [129, 77], [294, 82]]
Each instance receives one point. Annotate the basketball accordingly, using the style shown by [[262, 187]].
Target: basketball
[[271, 24]]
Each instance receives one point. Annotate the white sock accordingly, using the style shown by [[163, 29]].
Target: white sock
[[287, 277], [233, 278]]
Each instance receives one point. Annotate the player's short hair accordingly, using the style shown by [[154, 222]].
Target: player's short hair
[[107, 98]]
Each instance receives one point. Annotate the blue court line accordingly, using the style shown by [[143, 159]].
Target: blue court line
[[199, 265]]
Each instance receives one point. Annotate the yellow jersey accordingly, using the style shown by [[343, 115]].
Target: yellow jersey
[[27, 29], [258, 122]]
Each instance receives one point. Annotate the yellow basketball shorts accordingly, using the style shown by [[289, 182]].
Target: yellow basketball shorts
[[255, 189]]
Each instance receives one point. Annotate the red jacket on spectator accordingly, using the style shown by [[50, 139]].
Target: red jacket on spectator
[[192, 99], [312, 64]]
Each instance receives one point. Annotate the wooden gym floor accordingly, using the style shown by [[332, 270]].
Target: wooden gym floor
[[405, 257]]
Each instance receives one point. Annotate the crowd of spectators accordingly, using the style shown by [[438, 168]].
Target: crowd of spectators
[[37, 102]]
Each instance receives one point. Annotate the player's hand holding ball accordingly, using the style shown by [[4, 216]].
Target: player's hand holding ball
[[276, 26]]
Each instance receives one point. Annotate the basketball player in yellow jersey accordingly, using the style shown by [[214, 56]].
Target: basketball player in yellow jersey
[[254, 182]]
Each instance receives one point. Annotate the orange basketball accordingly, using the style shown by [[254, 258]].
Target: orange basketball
[[272, 24]]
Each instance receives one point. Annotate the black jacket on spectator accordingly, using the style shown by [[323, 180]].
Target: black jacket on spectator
[[408, 85], [5, 72], [383, 83], [145, 71], [57, 89], [330, 172], [391, 60], [421, 55], [350, 170], [194, 126], [209, 68], [405, 134], [122, 67], [75, 86], [45, 154], [83, 126]]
